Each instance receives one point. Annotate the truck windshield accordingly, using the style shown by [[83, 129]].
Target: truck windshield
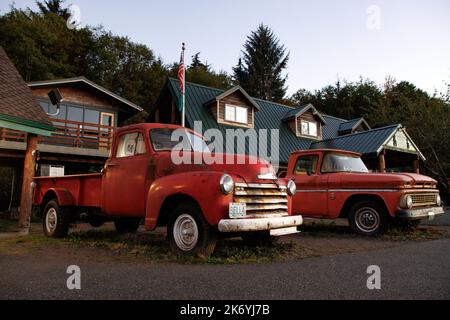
[[179, 139], [336, 162]]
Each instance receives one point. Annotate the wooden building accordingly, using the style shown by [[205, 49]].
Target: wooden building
[[384, 149], [84, 125]]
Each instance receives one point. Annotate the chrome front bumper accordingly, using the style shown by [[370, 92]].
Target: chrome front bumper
[[259, 224], [418, 214]]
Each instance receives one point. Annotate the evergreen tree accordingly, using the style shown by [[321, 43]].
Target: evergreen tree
[[53, 6], [260, 70]]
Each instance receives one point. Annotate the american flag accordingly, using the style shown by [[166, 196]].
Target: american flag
[[181, 74]]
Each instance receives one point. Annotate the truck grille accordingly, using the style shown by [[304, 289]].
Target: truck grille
[[422, 200], [262, 200]]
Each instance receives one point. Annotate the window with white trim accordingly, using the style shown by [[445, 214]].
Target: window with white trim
[[236, 114], [309, 128]]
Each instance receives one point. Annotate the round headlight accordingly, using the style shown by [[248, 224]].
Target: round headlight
[[409, 202], [291, 187], [226, 184], [438, 200]]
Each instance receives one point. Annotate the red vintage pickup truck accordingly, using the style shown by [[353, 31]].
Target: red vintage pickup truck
[[196, 201], [335, 184]]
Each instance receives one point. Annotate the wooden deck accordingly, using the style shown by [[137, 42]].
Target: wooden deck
[[70, 137]]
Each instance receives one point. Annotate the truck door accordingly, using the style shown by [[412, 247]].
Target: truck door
[[312, 194], [124, 186]]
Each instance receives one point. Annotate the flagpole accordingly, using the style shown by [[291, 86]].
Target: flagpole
[[183, 113]]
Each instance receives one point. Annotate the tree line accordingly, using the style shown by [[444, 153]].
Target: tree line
[[42, 48]]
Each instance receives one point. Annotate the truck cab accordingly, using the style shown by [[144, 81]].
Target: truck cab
[[335, 184], [165, 175]]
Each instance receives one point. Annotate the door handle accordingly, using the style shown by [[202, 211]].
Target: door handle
[[111, 165]]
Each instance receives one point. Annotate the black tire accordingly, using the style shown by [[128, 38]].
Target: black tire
[[368, 218], [55, 220], [187, 217], [127, 225], [259, 239], [96, 221]]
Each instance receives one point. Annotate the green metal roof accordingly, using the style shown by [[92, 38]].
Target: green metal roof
[[368, 143], [351, 125], [272, 116], [269, 117]]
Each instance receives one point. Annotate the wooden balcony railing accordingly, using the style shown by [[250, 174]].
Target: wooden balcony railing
[[69, 134]]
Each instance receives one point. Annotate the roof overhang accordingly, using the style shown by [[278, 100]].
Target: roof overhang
[[23, 125], [386, 145], [87, 82], [361, 121], [230, 92], [303, 110]]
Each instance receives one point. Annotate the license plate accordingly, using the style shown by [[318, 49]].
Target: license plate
[[431, 216], [237, 210]]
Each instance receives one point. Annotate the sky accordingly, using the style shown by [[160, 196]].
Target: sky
[[348, 39]]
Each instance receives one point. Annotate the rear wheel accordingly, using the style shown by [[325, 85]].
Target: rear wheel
[[127, 225], [368, 218], [189, 233], [56, 220], [259, 239]]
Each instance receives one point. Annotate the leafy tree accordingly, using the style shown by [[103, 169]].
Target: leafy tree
[[260, 70], [342, 99], [42, 48]]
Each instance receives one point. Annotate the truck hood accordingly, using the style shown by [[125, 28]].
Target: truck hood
[[248, 168], [380, 180]]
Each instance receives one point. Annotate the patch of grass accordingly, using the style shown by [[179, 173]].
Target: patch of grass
[[154, 248], [419, 234], [7, 225]]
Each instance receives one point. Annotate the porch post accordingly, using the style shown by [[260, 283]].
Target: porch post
[[416, 166], [26, 197], [382, 162]]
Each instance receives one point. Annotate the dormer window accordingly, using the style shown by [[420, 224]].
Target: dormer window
[[305, 122], [236, 114], [309, 128], [234, 108]]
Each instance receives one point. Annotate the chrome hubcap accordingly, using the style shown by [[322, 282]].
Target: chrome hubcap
[[51, 220], [367, 219], [185, 232]]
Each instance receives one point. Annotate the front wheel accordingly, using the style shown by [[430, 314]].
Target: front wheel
[[56, 220], [189, 233], [368, 218]]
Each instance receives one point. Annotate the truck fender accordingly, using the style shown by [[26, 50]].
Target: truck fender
[[63, 196], [202, 187]]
